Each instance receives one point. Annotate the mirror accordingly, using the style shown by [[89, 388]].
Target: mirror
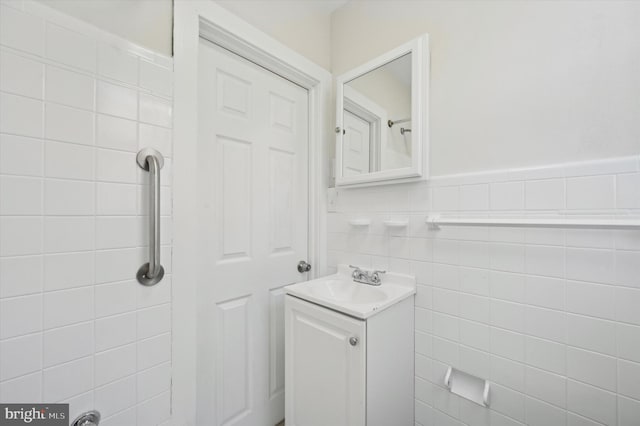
[[377, 119], [381, 127]]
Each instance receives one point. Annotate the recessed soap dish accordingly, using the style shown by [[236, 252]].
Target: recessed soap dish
[[396, 223], [360, 222], [467, 386]]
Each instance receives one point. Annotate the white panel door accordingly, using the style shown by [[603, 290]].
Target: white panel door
[[357, 140], [325, 372], [253, 214]]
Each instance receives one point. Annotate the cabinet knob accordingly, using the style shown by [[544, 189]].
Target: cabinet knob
[[353, 341]]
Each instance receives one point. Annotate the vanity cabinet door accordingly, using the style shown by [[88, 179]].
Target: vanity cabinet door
[[325, 366]]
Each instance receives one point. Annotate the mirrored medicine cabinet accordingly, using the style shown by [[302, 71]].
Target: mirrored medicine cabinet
[[382, 120]]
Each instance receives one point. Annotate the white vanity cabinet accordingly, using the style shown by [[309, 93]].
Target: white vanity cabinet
[[345, 371]]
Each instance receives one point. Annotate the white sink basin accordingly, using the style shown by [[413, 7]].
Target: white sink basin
[[347, 291], [340, 293]]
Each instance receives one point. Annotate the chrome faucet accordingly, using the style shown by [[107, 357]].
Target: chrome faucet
[[364, 277]]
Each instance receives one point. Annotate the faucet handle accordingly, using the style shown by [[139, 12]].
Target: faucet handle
[[375, 276], [357, 272]]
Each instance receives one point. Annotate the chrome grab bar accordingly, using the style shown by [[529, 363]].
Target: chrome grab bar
[[152, 272]]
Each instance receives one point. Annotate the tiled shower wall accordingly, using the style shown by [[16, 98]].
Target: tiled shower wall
[[550, 316], [76, 104]]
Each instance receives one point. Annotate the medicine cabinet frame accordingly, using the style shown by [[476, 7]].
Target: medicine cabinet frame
[[419, 168]]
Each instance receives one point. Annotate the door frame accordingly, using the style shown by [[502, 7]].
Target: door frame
[[193, 20]]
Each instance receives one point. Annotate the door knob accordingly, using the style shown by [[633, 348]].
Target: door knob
[[353, 341], [303, 267]]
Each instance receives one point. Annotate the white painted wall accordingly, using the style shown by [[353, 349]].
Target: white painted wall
[[148, 23], [304, 26], [512, 83]]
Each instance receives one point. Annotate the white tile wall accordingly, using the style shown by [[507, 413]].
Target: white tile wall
[[75, 326], [550, 317]]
